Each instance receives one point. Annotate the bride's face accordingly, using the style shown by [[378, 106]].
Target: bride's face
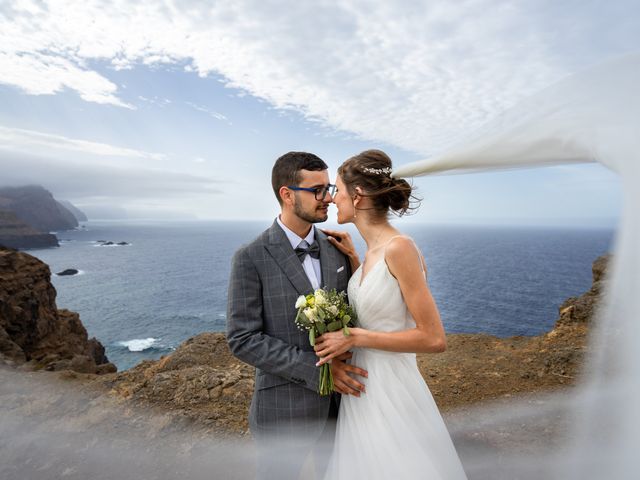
[[344, 202]]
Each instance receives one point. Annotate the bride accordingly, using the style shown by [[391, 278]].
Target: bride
[[394, 429]]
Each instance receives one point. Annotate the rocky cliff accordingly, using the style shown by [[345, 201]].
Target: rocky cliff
[[33, 332], [14, 233], [36, 206], [79, 214]]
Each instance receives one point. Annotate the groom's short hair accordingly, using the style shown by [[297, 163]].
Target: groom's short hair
[[286, 170]]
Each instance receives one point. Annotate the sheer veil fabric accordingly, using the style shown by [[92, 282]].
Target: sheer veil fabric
[[592, 116]]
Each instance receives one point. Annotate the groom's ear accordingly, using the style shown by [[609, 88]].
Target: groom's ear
[[286, 196]]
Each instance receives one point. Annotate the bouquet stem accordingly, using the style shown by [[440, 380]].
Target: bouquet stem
[[325, 386]]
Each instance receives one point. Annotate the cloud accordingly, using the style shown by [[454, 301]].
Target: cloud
[[102, 181], [41, 74], [157, 101], [212, 113], [417, 75], [27, 141], [99, 173]]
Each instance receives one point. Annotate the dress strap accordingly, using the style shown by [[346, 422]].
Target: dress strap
[[420, 257], [389, 241]]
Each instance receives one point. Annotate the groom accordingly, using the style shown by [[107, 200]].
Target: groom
[[289, 259]]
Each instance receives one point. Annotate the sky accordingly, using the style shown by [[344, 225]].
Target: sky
[[178, 109]]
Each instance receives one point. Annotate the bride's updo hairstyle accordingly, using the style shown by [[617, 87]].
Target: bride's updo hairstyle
[[371, 171]]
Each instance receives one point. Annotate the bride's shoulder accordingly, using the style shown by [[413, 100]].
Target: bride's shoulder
[[402, 252], [399, 247], [400, 242]]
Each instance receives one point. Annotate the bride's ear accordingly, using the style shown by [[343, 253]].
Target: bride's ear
[[357, 196]]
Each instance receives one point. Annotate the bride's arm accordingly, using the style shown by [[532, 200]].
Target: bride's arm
[[405, 264]]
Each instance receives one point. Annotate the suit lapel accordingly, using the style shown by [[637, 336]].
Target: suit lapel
[[328, 261], [286, 258]]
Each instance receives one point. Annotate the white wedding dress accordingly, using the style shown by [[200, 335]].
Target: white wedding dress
[[394, 430]]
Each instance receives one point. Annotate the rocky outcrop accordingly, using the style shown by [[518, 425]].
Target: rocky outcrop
[[203, 381], [67, 272], [14, 233], [28, 214], [32, 329], [79, 214], [36, 206], [480, 367], [580, 309]]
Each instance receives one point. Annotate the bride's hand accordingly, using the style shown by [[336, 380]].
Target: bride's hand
[[333, 344], [342, 241]]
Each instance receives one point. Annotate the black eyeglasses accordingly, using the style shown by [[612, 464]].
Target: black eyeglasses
[[318, 192]]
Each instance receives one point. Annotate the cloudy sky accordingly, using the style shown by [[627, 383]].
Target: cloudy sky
[[178, 109]]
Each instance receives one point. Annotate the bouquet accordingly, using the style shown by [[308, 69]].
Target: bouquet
[[319, 312]]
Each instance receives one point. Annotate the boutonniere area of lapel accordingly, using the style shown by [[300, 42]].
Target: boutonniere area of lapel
[[340, 269]]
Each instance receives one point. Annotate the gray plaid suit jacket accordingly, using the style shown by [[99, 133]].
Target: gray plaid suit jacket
[[266, 279]]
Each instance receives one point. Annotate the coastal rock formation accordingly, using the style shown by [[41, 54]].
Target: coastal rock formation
[[14, 233], [32, 329], [479, 367], [67, 272], [581, 309], [79, 214], [28, 214], [36, 206], [203, 381]]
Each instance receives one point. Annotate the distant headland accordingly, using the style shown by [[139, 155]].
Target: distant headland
[[29, 214]]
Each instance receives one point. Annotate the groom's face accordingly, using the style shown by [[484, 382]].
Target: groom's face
[[306, 206]]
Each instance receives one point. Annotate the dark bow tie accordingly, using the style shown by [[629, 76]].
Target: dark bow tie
[[313, 250]]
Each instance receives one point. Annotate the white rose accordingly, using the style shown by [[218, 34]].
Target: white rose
[[310, 313], [333, 309], [301, 302], [320, 297]]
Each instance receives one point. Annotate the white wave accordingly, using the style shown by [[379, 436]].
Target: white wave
[[138, 344]]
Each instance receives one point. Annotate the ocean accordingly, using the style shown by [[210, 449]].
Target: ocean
[[169, 283]]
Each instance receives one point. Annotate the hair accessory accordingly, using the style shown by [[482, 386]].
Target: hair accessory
[[377, 171]]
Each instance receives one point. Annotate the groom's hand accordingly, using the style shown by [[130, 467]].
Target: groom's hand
[[343, 382]]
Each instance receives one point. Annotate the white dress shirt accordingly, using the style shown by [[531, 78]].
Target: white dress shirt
[[310, 265]]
